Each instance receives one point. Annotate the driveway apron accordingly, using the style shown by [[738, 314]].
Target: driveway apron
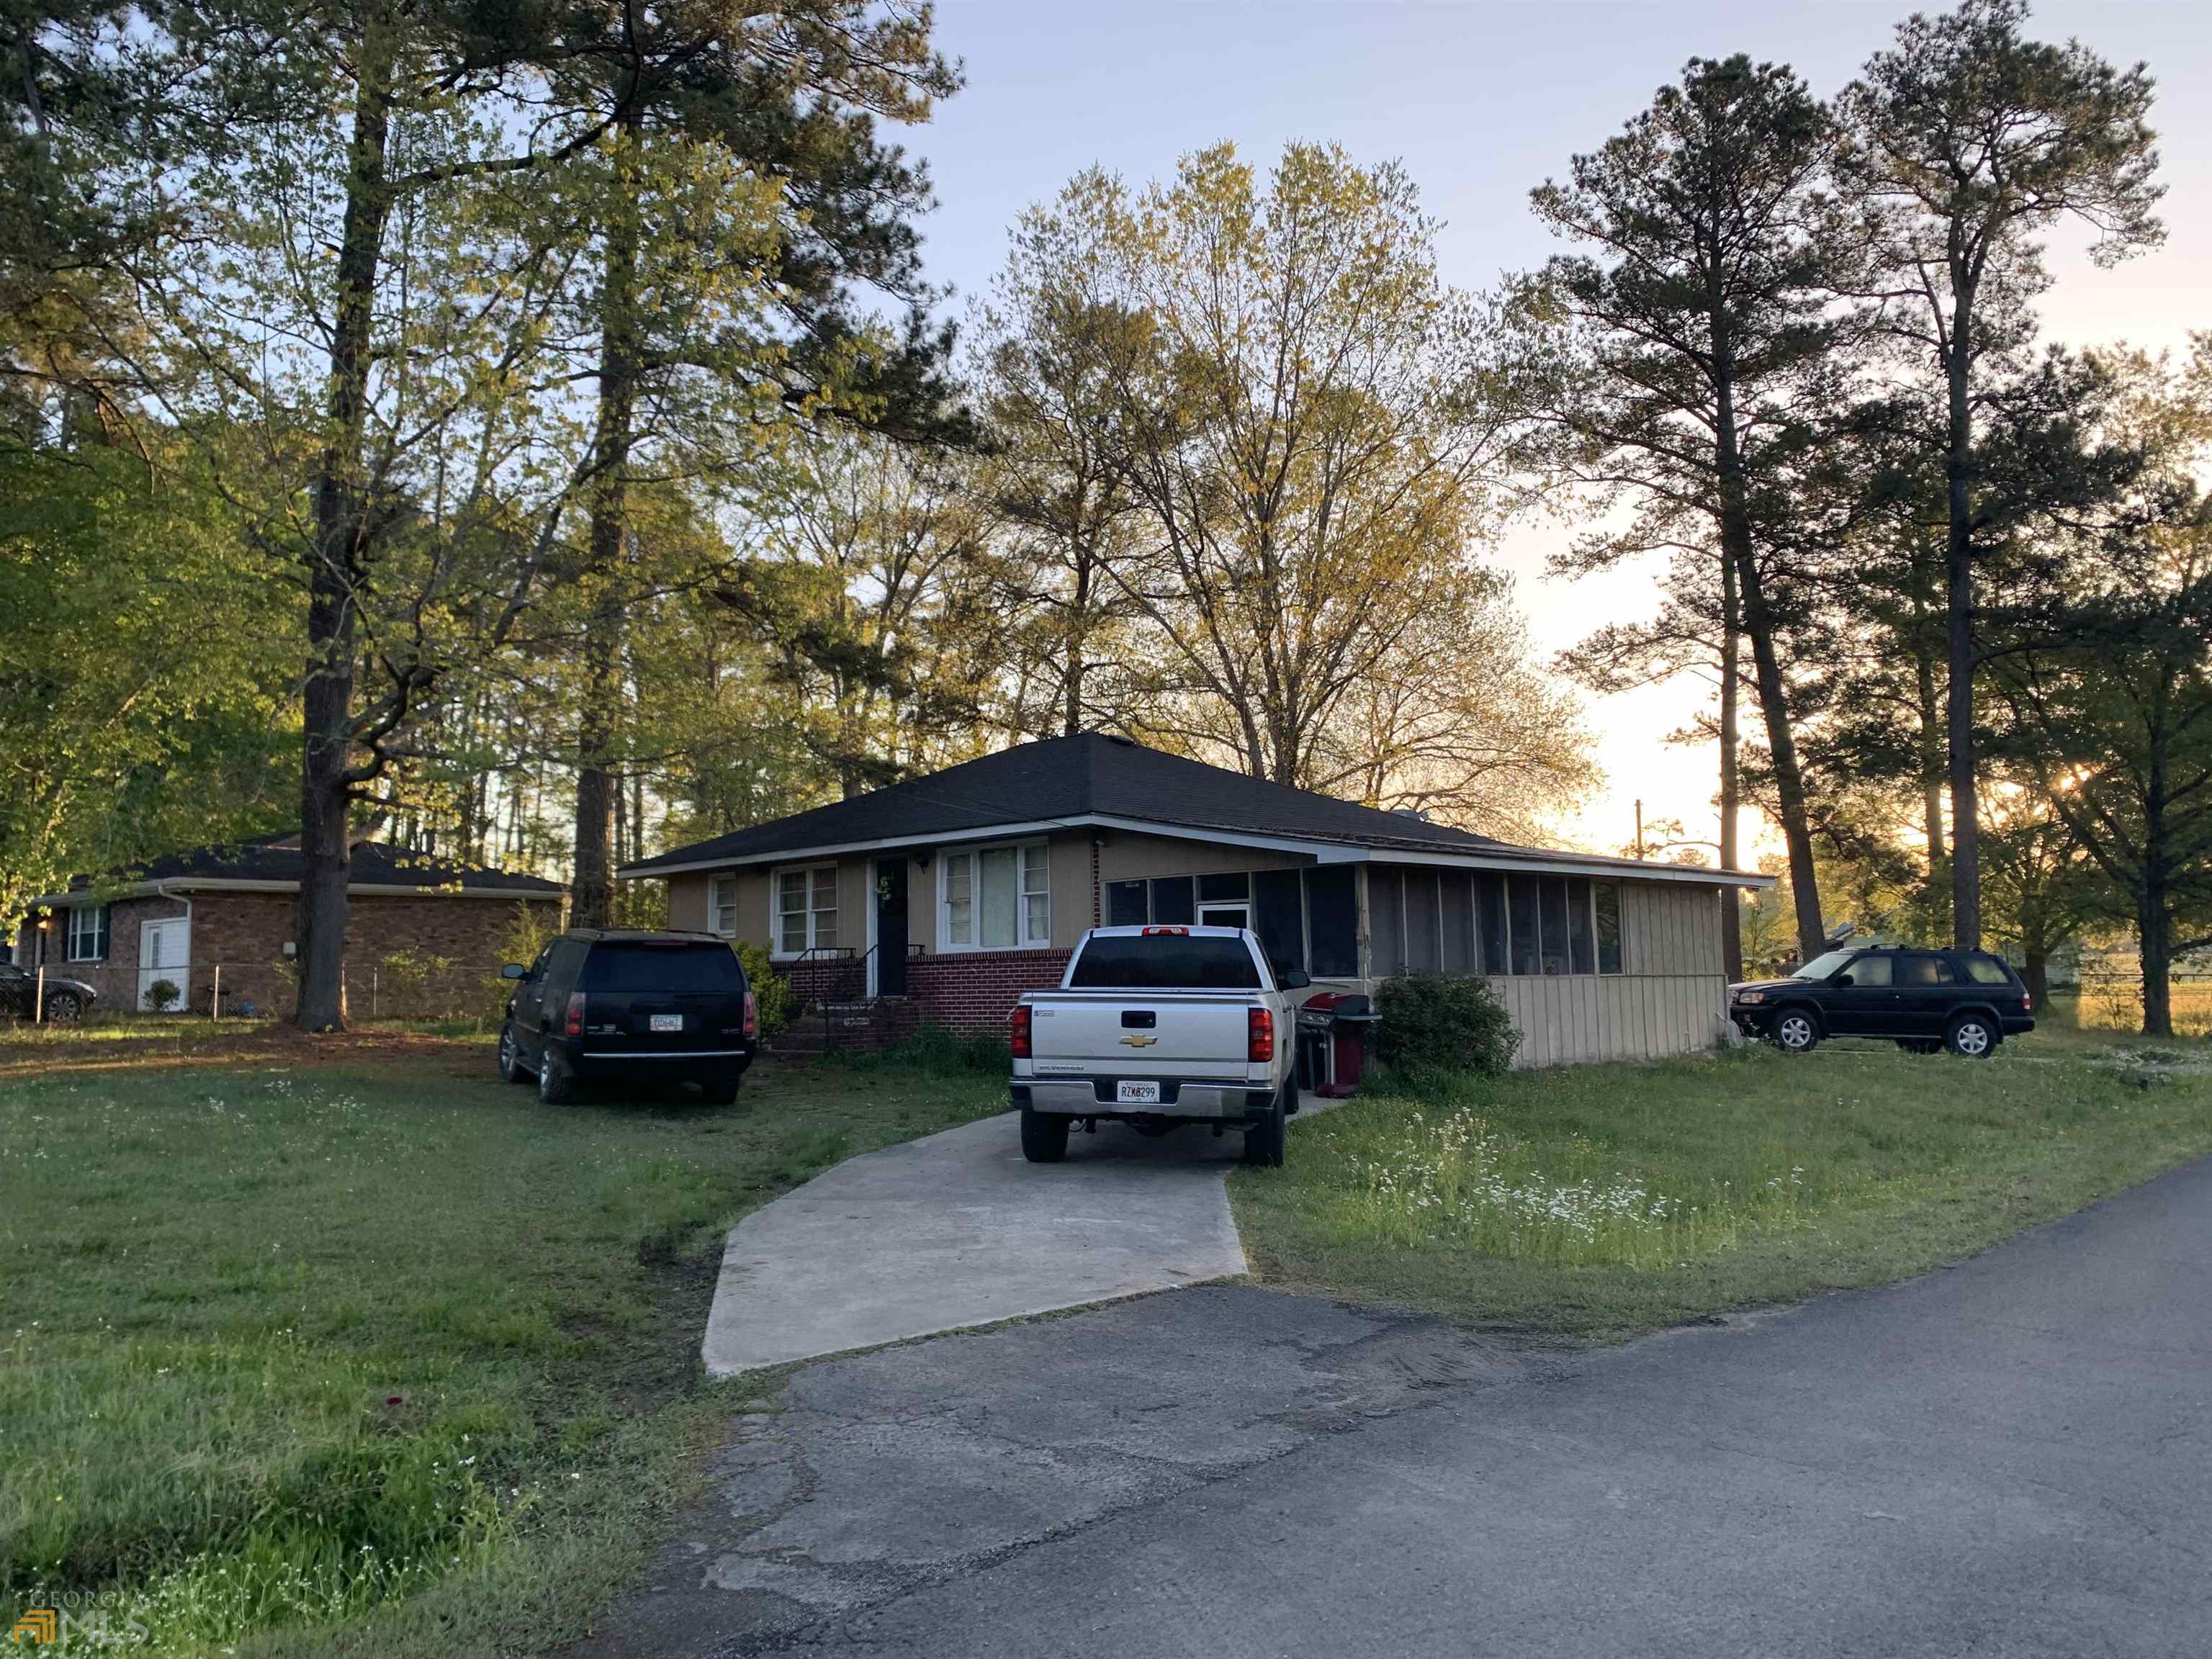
[[957, 1229]]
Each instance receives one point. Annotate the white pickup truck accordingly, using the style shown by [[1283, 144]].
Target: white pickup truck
[[1159, 1027]]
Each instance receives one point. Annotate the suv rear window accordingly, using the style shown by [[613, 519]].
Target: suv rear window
[[678, 966], [1165, 961], [1987, 970]]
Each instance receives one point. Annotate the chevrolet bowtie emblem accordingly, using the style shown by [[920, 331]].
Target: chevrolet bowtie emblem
[[1139, 1040]]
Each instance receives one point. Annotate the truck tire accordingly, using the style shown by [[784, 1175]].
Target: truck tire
[[1972, 1036], [1796, 1030], [555, 1086], [1263, 1139], [1044, 1136], [511, 1068], [719, 1090]]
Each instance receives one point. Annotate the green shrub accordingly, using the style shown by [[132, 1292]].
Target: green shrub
[[163, 995], [1429, 1022], [938, 1051], [771, 990]]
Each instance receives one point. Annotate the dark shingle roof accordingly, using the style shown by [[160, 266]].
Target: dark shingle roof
[[1072, 777], [276, 859]]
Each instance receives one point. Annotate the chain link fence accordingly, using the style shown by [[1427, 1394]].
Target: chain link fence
[[395, 987], [2113, 1002]]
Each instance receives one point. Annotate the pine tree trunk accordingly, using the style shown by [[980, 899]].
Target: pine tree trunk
[[1731, 769], [1959, 606], [326, 701], [599, 718], [1931, 748], [1736, 545], [2155, 934]]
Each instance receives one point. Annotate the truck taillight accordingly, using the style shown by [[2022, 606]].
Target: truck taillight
[[1260, 1026], [574, 1026], [751, 1027], [1178, 933], [1018, 1032]]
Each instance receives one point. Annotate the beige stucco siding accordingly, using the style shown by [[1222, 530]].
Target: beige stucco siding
[[687, 902], [1127, 856]]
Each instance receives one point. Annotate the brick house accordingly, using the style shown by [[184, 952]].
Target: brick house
[[416, 927], [949, 896]]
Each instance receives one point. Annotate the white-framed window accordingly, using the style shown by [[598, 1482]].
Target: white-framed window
[[806, 909], [995, 898], [87, 932], [722, 905]]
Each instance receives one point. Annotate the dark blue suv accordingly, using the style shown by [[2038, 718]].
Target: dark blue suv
[[1967, 1002]]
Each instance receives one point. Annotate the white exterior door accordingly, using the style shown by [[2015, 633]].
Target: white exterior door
[[165, 952]]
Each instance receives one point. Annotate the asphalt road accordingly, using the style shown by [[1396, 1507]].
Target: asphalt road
[[2011, 1457]]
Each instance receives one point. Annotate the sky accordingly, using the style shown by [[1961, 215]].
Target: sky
[[1482, 102]]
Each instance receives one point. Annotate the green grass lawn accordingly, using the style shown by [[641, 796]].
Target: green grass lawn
[[374, 1355], [1594, 1202]]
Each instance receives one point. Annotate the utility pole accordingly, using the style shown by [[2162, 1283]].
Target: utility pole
[[1639, 829]]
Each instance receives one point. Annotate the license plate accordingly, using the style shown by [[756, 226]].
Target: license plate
[[664, 1022], [1137, 1094]]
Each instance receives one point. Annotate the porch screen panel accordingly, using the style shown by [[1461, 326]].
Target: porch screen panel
[[1521, 921], [1609, 926], [1582, 955], [1555, 924], [1332, 923], [1174, 904], [1386, 920], [1459, 921], [1490, 921], [1275, 917], [1125, 904], [1424, 951]]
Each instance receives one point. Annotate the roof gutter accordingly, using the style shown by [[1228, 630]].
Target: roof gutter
[[241, 884], [1322, 852]]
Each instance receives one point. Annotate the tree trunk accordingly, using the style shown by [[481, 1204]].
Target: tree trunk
[[2035, 974], [1736, 546], [1931, 749], [1731, 771], [2155, 934], [1071, 713], [326, 701], [600, 719], [1958, 603]]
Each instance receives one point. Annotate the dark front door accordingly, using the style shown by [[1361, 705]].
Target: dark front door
[[890, 927]]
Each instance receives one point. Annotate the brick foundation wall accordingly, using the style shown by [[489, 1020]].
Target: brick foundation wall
[[971, 992]]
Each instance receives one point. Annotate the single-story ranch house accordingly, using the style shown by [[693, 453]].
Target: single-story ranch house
[[957, 892], [178, 918]]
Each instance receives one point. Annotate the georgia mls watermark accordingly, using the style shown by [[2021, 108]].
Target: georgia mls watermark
[[76, 1621]]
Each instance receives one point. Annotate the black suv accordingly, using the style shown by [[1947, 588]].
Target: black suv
[[1967, 1002], [636, 1006]]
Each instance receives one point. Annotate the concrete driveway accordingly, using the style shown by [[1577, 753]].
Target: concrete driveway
[[957, 1229], [2012, 1457]]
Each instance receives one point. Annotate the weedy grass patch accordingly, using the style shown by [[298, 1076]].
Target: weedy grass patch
[[1594, 1202], [385, 1358]]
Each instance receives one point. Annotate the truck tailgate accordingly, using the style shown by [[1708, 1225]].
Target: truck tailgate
[[1173, 1034]]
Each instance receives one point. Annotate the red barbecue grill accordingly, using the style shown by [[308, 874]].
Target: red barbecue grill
[[1332, 1037]]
